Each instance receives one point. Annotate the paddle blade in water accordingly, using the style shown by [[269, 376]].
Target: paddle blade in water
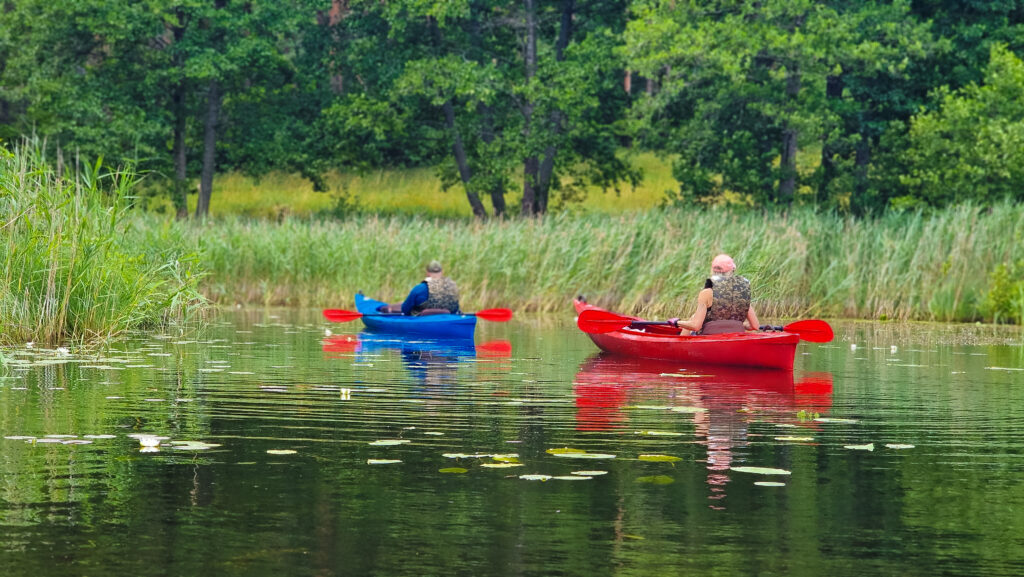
[[494, 315], [814, 331], [341, 316], [596, 321]]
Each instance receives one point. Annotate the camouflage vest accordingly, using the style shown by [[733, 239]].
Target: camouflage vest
[[730, 298], [441, 294]]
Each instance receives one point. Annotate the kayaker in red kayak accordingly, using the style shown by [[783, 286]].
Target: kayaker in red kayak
[[723, 306], [437, 294]]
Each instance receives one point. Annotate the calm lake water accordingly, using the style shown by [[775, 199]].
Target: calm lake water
[[897, 450]]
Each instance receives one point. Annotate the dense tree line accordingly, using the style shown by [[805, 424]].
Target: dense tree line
[[522, 104]]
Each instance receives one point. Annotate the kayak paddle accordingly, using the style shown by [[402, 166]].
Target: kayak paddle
[[343, 316], [597, 322]]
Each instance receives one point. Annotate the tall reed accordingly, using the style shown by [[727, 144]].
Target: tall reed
[[70, 273], [906, 266]]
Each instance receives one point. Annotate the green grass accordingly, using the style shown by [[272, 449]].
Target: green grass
[[802, 263], [69, 275], [401, 191]]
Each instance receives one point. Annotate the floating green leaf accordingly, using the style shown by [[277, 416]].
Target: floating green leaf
[[192, 445], [898, 446], [382, 461], [456, 470], [572, 478], [589, 473], [389, 442], [585, 455], [769, 484], [501, 465], [760, 470], [656, 480], [659, 458], [281, 451], [867, 447], [535, 477], [565, 450]]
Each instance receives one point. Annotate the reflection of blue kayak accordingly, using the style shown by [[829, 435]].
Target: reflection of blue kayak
[[441, 326], [368, 342]]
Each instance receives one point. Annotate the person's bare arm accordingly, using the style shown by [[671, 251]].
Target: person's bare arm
[[752, 324], [696, 322]]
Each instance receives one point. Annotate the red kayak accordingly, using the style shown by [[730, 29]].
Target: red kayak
[[767, 350]]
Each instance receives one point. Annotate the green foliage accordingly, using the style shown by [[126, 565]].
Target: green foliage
[[1005, 299], [972, 147], [70, 271]]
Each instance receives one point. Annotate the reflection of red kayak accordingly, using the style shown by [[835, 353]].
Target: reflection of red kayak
[[762, 350], [607, 383]]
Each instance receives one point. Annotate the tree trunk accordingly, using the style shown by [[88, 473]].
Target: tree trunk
[[862, 159], [209, 150], [178, 102], [787, 164], [462, 161], [833, 93], [487, 135], [547, 165], [530, 163]]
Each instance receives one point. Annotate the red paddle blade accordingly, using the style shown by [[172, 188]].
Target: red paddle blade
[[596, 322], [341, 316], [494, 315], [814, 331]]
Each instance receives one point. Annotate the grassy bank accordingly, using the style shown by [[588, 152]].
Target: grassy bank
[[910, 266], [401, 191], [70, 274]]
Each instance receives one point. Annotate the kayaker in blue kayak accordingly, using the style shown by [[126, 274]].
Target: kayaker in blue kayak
[[723, 306], [437, 294]]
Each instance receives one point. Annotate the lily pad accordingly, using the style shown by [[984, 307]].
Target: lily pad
[[192, 445], [867, 447], [535, 477], [769, 484], [565, 450], [281, 451], [389, 442], [761, 470], [455, 470], [898, 446], [382, 461], [585, 455], [572, 478], [659, 458], [656, 480], [501, 465], [589, 473]]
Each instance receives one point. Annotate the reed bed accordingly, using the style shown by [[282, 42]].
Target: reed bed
[[71, 273], [653, 262]]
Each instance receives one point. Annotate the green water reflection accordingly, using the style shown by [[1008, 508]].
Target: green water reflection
[[940, 491]]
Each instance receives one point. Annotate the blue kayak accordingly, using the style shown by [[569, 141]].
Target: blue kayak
[[444, 326]]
